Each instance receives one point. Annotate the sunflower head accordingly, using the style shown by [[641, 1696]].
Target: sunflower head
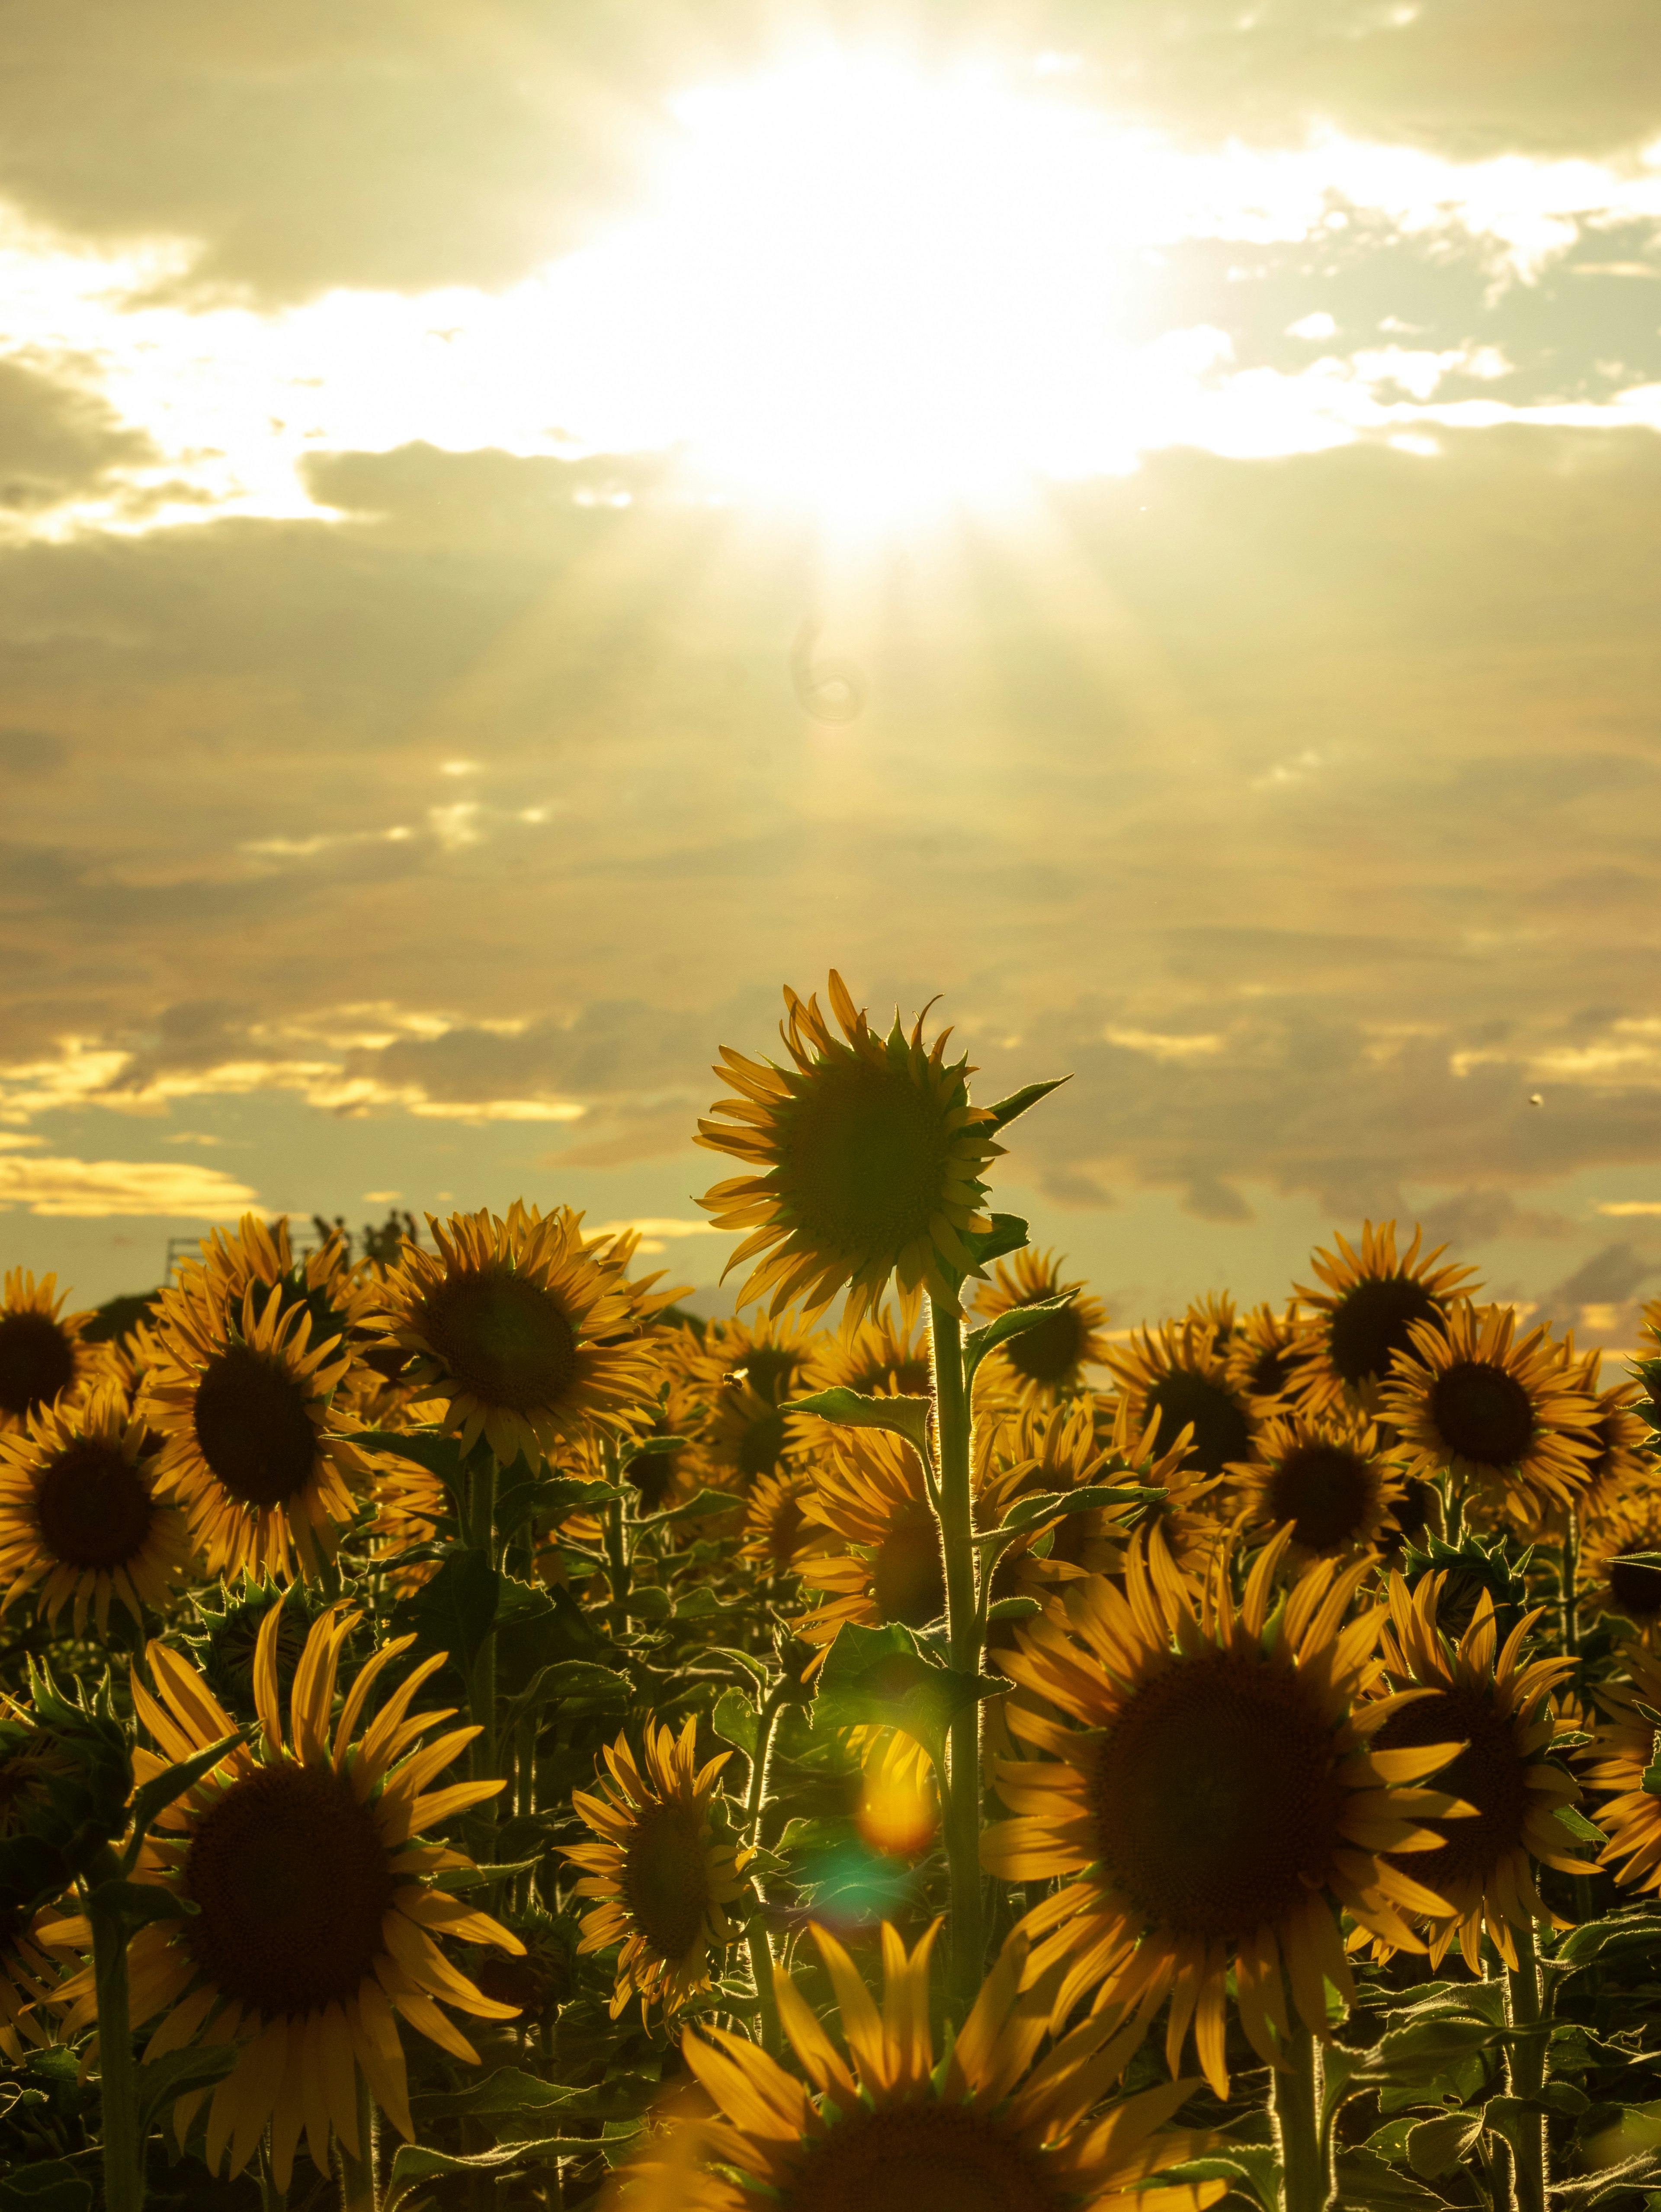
[[882, 1560], [1267, 1352], [44, 1352], [887, 1357], [231, 1629], [1364, 1312], [1178, 1375], [866, 1156], [662, 1875], [1621, 1462], [1618, 1573], [1046, 1362], [777, 1531], [1325, 1478]]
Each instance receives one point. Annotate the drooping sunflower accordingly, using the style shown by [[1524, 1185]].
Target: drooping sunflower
[[315, 1913], [866, 1157], [1504, 1416], [1361, 1320], [1325, 1476], [885, 2131], [1047, 1361], [1178, 1372], [84, 1516], [1621, 1465], [663, 1876], [1620, 1754], [256, 1451], [869, 1492], [527, 1338], [1219, 1802], [43, 1353], [1266, 1352], [1502, 1712]]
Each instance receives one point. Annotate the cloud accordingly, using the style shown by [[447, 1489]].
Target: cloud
[[56, 440], [91, 1189], [1478, 1217]]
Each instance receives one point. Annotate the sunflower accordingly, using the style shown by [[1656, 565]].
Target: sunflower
[[527, 1336], [664, 1878], [1502, 1713], [1325, 1476], [1361, 1320], [1471, 1402], [1047, 1361], [870, 1492], [1218, 1803], [1265, 1352], [888, 2130], [887, 1357], [777, 1531], [1612, 1579], [260, 1257], [1214, 1309], [1053, 1449], [314, 1912], [81, 1514], [43, 1352], [257, 1452], [1620, 1464], [1188, 1511], [30, 1969], [868, 1157], [1619, 1760], [1178, 1372]]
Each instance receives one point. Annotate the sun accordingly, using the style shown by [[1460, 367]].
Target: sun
[[864, 286]]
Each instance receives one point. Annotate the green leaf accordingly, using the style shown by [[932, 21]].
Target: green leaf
[[413, 2163], [1637, 1928], [162, 2080], [155, 1795], [702, 1506], [735, 1720], [883, 1678], [1015, 1322], [1017, 1102], [1366, 2184], [1008, 1233], [1051, 1504], [454, 1612], [1253, 2166], [1435, 2146], [1580, 1826], [456, 1880], [579, 1686], [52, 2186], [901, 1417], [649, 1603], [532, 1637], [439, 1454], [140, 1902], [1013, 1608], [700, 1603]]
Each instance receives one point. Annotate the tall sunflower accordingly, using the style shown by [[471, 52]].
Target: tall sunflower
[[1178, 1372], [525, 1335], [1619, 1760], [256, 1451], [315, 1913], [1047, 1362], [1509, 1417], [867, 1157], [869, 1492], [43, 1352], [663, 1876], [84, 1516], [1218, 1804], [887, 2129], [1362, 1319], [1326, 1476], [1266, 1352], [1501, 1711]]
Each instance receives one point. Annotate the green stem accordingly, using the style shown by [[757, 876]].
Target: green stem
[[617, 1558], [358, 2180], [271, 2198], [1528, 2074], [1570, 1574], [118, 2084], [760, 1946], [481, 1535], [1295, 2103], [961, 1796]]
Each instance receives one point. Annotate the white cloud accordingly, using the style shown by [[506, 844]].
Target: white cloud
[[94, 1190], [1320, 324]]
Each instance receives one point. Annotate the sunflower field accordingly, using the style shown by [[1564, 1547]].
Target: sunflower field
[[474, 1736]]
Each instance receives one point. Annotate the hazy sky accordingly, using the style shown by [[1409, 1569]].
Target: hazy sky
[[523, 529]]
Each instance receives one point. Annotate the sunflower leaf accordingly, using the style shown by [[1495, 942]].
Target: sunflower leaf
[[1007, 1234], [901, 1417], [454, 1612], [1051, 1504], [440, 1454], [698, 1507], [1008, 1109], [882, 1678], [51, 2185], [160, 2081], [1015, 1322], [1580, 1826], [1013, 1608], [155, 1795], [1435, 2146], [735, 1720], [1365, 2180]]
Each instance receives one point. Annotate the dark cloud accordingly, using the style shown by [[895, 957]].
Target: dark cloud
[[1478, 1217], [31, 752], [1609, 1277], [56, 441]]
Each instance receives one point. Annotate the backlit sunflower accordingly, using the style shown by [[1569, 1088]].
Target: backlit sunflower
[[883, 1358], [1189, 1511], [1265, 1352], [340, 1299], [662, 1479], [1622, 1752], [30, 1970], [1052, 1448], [776, 1532], [1178, 1372], [1325, 1476], [866, 1157], [1048, 1362], [42, 1350], [1612, 1579], [84, 1516], [256, 1451], [1502, 1712], [868, 1490], [884, 2131], [1362, 1319], [528, 1338], [1507, 1417], [1621, 1466], [314, 1915], [1219, 1802], [663, 1876]]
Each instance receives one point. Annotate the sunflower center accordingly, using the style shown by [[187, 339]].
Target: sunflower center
[[1215, 1797], [37, 1361], [292, 1881], [907, 1573], [1482, 1414], [1371, 1321], [863, 1158], [1635, 1588], [1222, 1431], [666, 1878], [1325, 1492], [253, 1428], [1488, 1773], [768, 1368], [1271, 1371], [920, 2158], [653, 1474], [1050, 1350], [92, 1506], [505, 1339], [761, 1445], [784, 1531]]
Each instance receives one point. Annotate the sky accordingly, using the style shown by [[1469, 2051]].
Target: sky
[[524, 530]]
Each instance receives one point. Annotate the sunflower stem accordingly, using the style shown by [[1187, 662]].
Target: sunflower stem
[[357, 2179], [1527, 2073], [761, 1943], [1570, 1571], [1295, 2103], [955, 1509], [118, 2085], [481, 1535]]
